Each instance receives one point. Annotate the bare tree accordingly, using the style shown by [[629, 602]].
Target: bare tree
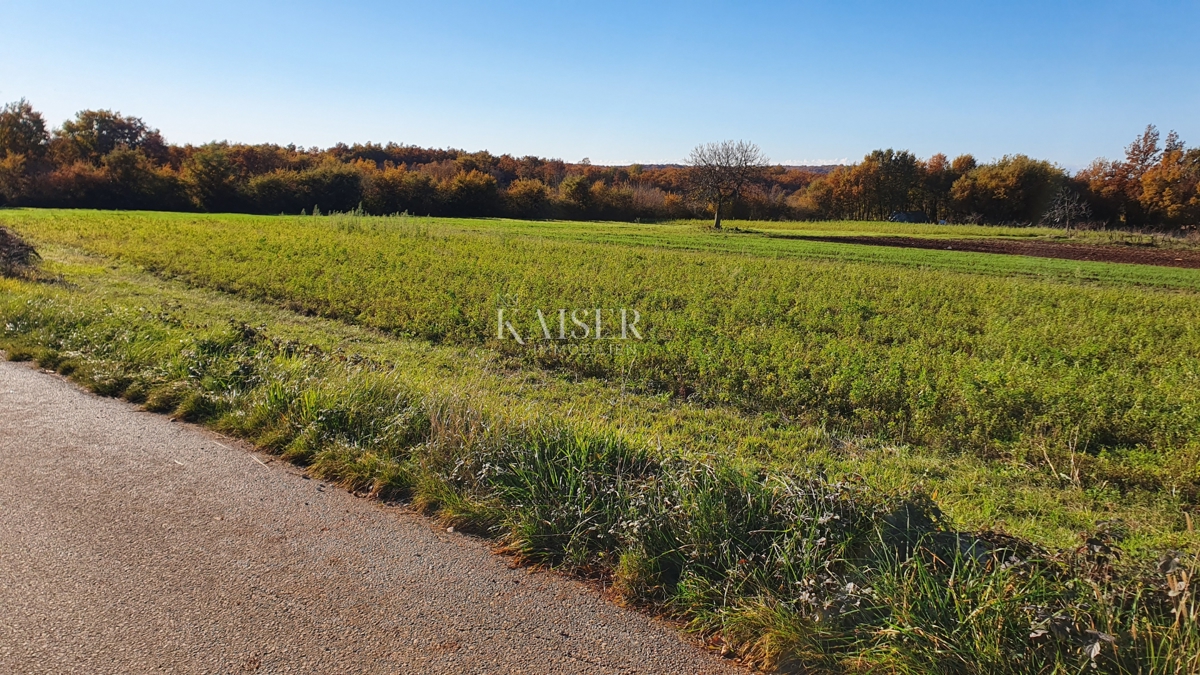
[[1067, 207], [721, 171]]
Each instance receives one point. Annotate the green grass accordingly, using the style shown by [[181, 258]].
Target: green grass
[[708, 505], [1118, 238], [985, 362], [774, 240]]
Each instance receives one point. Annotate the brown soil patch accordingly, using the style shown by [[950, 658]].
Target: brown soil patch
[[1043, 249], [17, 258]]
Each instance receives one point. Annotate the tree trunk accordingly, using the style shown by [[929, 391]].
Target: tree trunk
[[717, 216]]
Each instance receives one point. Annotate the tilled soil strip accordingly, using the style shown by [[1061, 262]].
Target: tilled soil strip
[[1042, 249]]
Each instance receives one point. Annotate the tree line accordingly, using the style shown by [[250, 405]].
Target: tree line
[[102, 159], [1156, 186]]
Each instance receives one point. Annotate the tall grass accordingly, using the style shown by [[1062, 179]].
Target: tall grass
[[1099, 379]]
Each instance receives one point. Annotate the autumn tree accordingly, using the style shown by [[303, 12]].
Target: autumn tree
[[1143, 152], [1154, 186], [1170, 189], [23, 139], [934, 178], [398, 190], [473, 193], [212, 178], [1013, 189], [526, 197], [720, 172], [132, 181], [13, 181], [22, 130], [1140, 155], [963, 164], [888, 178], [577, 190], [95, 133]]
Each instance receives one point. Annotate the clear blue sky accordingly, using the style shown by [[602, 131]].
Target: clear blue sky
[[623, 81]]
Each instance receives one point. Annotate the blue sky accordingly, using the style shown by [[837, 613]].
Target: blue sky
[[620, 82]]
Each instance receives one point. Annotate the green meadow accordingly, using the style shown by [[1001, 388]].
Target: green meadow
[[853, 457]]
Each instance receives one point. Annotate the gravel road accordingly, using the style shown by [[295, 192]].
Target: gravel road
[[133, 544]]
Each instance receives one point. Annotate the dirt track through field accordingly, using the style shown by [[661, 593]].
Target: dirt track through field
[[1161, 257], [133, 544]]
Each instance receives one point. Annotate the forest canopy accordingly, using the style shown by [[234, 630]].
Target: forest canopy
[[103, 159]]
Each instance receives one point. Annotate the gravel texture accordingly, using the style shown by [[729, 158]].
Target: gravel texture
[[130, 543]]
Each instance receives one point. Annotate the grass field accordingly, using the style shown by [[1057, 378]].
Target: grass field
[[773, 239], [1095, 237], [781, 383]]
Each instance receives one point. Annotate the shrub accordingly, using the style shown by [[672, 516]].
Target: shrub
[[470, 194], [526, 198]]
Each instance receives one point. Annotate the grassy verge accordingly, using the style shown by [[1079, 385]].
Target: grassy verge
[[800, 548]]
